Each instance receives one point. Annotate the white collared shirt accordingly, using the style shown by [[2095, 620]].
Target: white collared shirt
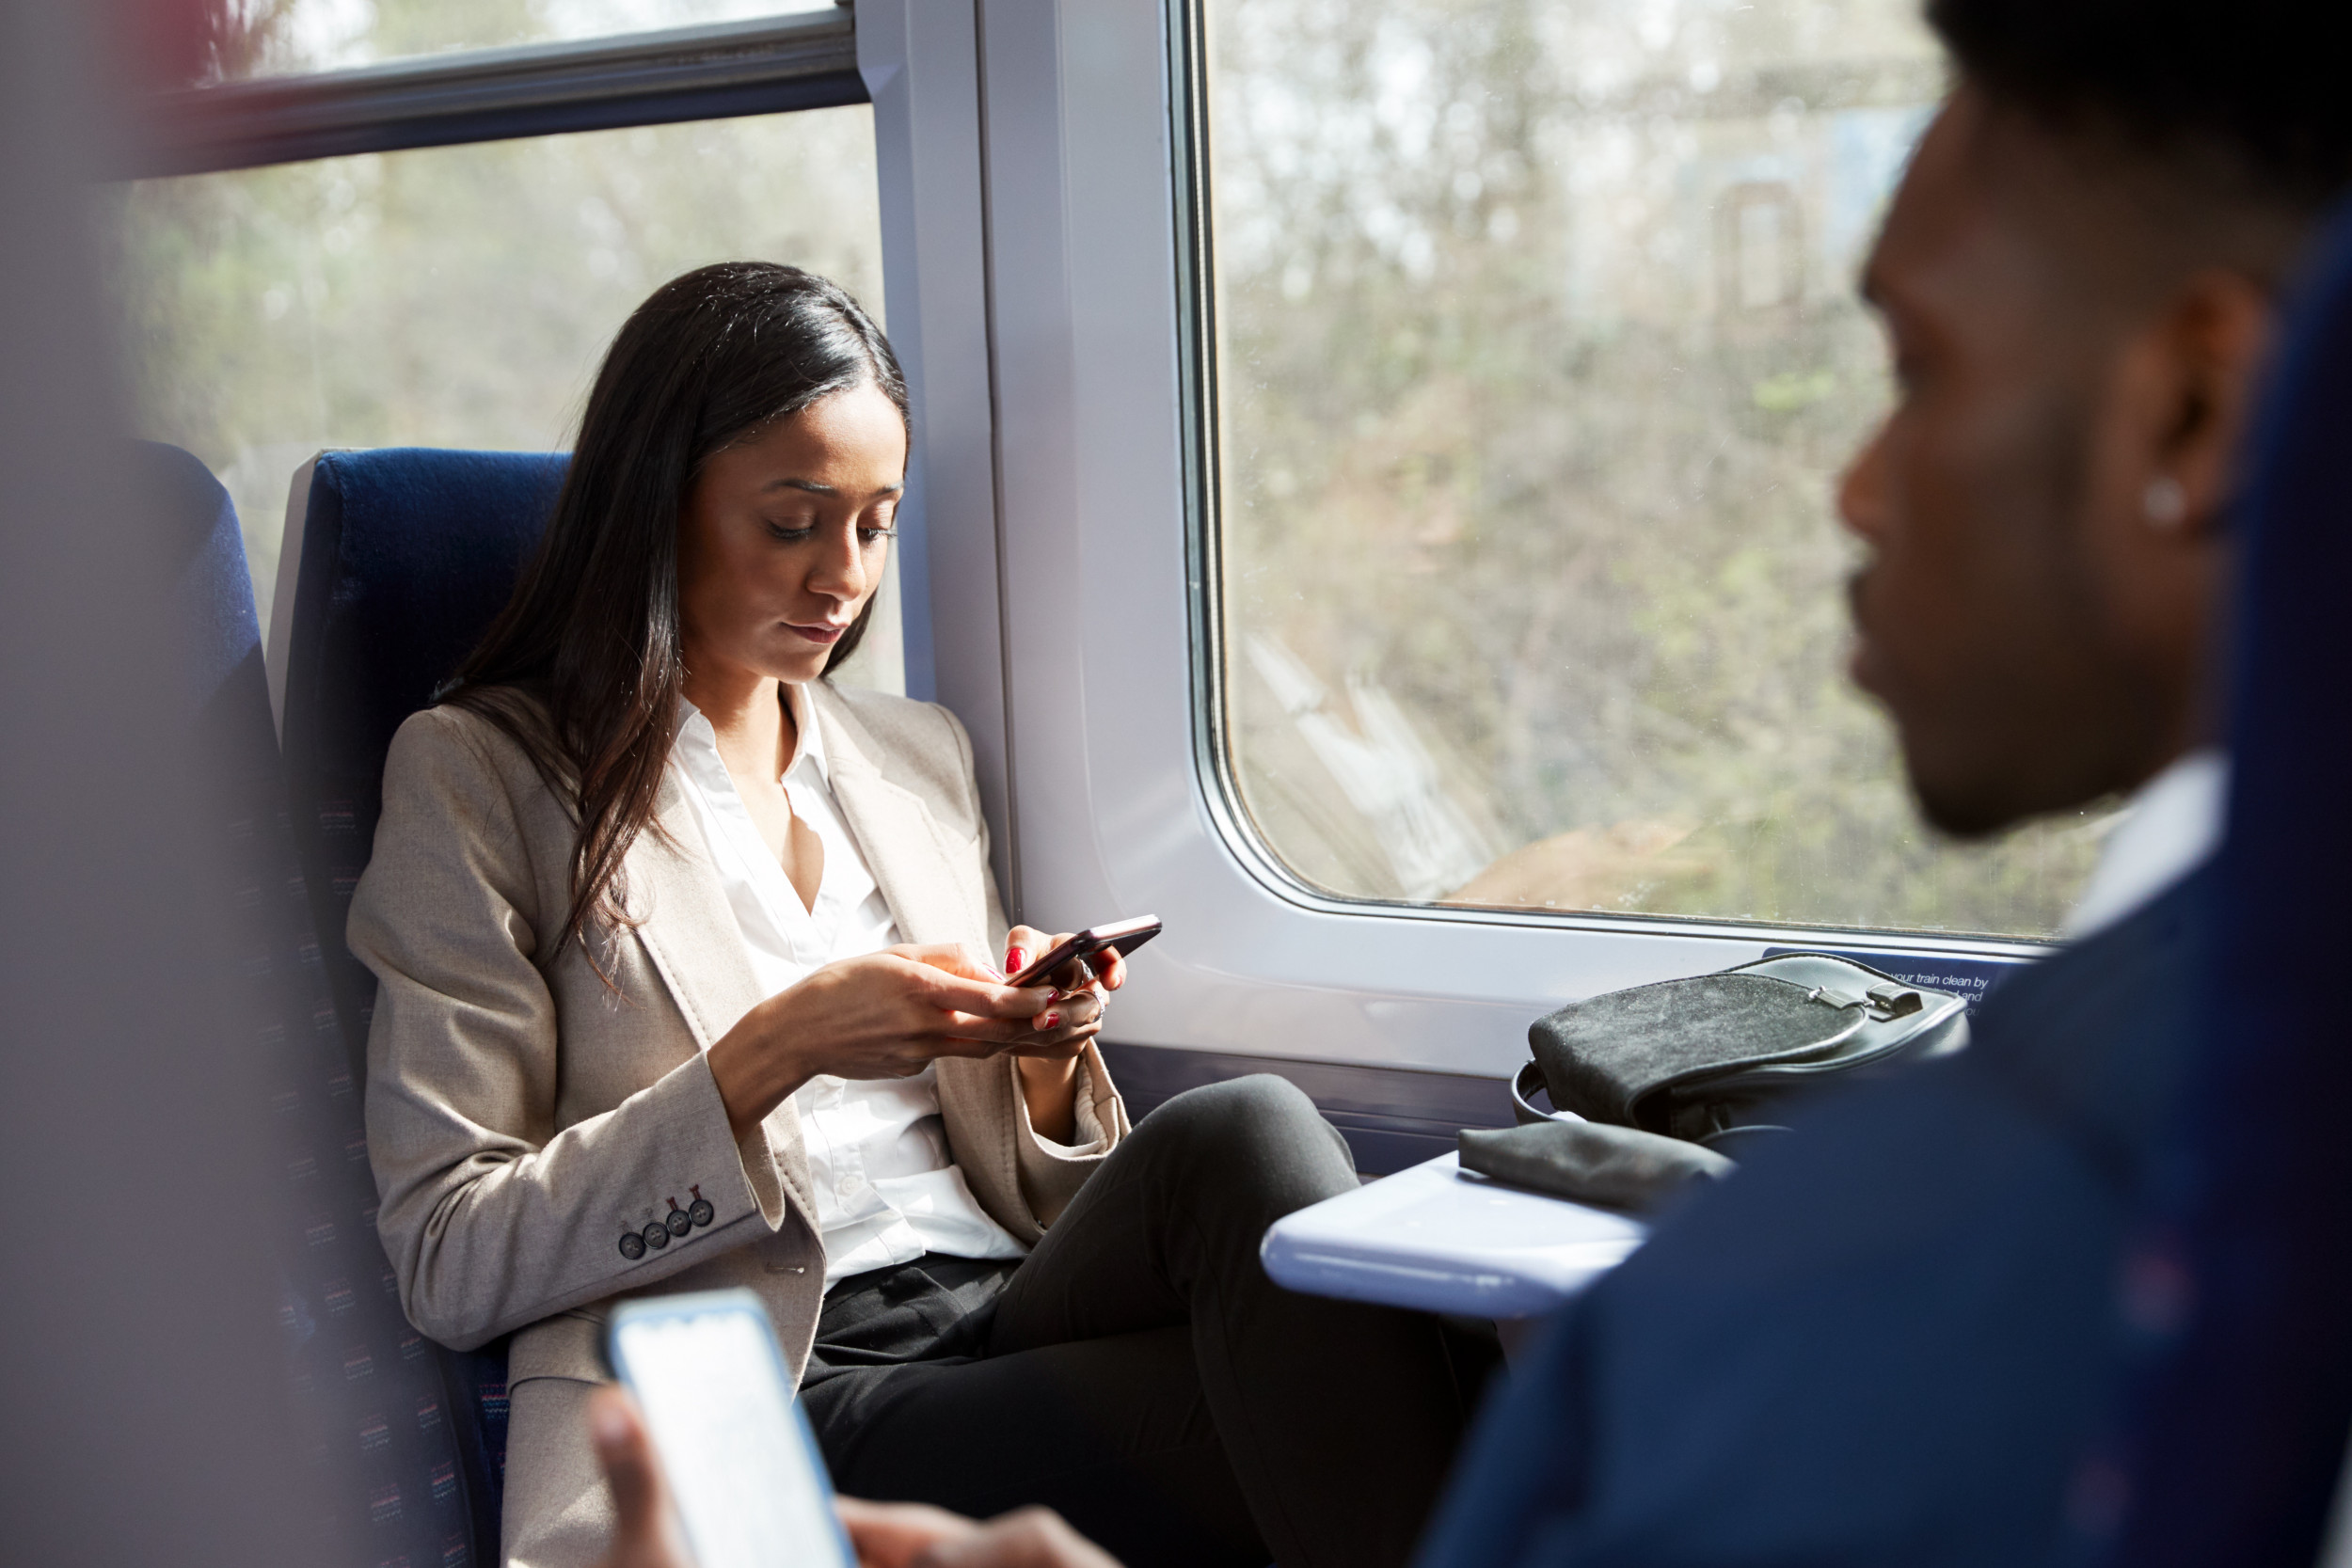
[[886, 1190], [2171, 827]]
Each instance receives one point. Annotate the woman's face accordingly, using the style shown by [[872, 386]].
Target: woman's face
[[785, 535]]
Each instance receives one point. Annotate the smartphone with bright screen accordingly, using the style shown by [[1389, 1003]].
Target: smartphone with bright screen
[[742, 1463]]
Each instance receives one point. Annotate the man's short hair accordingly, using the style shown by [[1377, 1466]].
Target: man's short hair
[[2262, 86]]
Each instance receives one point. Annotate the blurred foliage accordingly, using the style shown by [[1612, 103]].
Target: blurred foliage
[[451, 296], [1539, 360]]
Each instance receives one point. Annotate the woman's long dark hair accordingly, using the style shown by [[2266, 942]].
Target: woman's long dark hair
[[592, 632]]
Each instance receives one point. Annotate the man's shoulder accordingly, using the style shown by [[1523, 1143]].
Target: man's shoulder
[[2141, 953], [2095, 1039]]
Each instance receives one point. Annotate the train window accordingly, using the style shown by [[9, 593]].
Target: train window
[[457, 295], [1538, 357], [271, 37]]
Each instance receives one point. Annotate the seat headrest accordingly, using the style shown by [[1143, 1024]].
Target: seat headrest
[[188, 513], [407, 554]]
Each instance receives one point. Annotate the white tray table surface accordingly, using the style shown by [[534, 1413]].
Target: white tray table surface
[[1441, 1239]]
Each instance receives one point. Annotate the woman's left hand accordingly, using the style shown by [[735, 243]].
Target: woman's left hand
[[1047, 1056], [1075, 1014]]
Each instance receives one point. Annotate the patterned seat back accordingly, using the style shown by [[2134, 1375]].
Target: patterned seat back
[[401, 559], [368, 1401]]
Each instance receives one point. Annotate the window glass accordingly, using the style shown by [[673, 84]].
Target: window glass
[[454, 296], [274, 38], [1539, 358]]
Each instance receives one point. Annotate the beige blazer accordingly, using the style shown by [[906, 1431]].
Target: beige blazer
[[523, 1117]]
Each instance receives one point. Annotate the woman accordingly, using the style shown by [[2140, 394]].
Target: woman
[[684, 959]]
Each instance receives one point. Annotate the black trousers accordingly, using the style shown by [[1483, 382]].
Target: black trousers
[[1139, 1373]]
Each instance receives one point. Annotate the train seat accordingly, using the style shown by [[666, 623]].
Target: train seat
[[367, 1396], [394, 565]]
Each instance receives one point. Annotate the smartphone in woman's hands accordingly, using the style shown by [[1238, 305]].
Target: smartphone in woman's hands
[[1122, 937]]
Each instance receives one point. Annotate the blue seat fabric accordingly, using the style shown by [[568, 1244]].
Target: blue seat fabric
[[407, 555], [368, 1401], [2247, 1398]]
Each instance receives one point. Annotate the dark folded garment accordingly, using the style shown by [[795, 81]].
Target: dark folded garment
[[1591, 1162]]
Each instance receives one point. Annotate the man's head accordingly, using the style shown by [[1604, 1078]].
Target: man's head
[[2077, 279]]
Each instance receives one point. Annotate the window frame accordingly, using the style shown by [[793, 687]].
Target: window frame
[[1119, 795], [1197, 306], [726, 71]]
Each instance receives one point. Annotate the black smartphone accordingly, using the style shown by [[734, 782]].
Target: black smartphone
[[1122, 937]]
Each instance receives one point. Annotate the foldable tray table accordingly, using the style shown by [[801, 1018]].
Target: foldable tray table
[[1444, 1240]]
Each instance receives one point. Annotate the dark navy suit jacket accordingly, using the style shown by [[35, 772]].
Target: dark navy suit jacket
[[1888, 1339]]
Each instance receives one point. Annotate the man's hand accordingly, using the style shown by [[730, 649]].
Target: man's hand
[[646, 1536], [912, 1535], [886, 1535]]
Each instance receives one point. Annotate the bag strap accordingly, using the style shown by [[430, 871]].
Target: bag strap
[[1529, 1079]]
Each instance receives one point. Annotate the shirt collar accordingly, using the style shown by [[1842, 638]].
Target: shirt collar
[[700, 742], [808, 746], [2171, 826]]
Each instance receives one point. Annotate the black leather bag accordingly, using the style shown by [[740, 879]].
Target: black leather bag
[[1641, 1076], [1707, 1058]]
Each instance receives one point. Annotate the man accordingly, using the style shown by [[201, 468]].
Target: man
[[1887, 1341]]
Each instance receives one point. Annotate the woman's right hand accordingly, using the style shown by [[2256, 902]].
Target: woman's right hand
[[883, 1015]]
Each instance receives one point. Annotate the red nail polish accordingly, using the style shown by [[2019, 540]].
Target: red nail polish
[[1016, 960], [1051, 1020]]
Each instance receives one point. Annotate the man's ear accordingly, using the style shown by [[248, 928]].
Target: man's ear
[[2165, 471], [2202, 371]]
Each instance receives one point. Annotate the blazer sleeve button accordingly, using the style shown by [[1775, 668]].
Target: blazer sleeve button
[[632, 1245], [676, 1221], [657, 1235], [700, 1212]]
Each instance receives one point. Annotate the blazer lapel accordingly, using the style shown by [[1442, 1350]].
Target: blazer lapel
[[684, 921], [932, 901], [897, 832]]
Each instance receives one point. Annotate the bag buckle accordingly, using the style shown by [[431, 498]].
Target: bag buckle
[[1884, 1001]]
